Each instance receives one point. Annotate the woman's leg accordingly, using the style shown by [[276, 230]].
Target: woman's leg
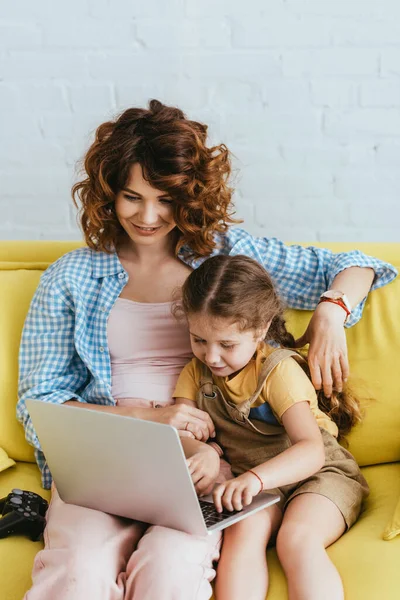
[[242, 570], [173, 565], [85, 552], [310, 524]]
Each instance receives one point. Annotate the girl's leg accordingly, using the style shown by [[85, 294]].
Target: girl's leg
[[85, 552], [310, 524], [242, 570]]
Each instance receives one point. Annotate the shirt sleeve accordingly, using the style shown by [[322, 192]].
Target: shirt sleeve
[[49, 366], [187, 385], [287, 385], [303, 274]]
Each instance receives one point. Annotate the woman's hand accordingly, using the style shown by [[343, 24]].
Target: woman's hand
[[327, 356], [189, 420], [204, 469], [236, 493]]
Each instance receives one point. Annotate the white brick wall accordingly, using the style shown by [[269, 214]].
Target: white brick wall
[[306, 93]]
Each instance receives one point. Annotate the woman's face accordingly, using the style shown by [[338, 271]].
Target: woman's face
[[145, 213]]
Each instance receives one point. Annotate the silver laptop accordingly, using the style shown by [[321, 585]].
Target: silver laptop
[[127, 467]]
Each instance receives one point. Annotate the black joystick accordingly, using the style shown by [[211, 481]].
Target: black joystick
[[23, 512]]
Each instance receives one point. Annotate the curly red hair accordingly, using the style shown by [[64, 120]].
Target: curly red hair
[[173, 154]]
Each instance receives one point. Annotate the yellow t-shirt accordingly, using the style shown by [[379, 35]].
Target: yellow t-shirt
[[286, 385]]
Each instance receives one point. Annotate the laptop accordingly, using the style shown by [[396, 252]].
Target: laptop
[[127, 467]]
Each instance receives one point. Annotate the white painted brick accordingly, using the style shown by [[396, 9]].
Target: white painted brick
[[304, 93], [261, 127], [108, 9], [92, 99], [388, 154], [183, 33], [382, 92], [235, 10], [330, 62], [90, 33], [390, 61], [343, 8], [8, 97], [16, 153], [371, 32], [24, 127], [334, 93], [127, 68], [40, 211], [43, 66], [69, 127], [319, 210], [244, 67], [53, 183], [373, 123], [48, 97], [286, 95], [227, 93], [20, 35], [328, 154], [378, 212], [287, 31], [368, 187], [356, 234], [286, 184], [42, 9]]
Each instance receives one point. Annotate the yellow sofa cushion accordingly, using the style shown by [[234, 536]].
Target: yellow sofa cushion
[[5, 461], [393, 526], [360, 555], [17, 288]]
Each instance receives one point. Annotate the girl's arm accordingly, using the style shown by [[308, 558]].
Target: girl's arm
[[304, 458]]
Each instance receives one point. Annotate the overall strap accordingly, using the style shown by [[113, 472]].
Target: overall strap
[[206, 381], [268, 366]]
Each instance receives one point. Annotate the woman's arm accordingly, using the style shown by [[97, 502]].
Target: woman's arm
[[302, 275], [327, 355]]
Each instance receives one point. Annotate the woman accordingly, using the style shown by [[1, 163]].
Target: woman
[[100, 334]]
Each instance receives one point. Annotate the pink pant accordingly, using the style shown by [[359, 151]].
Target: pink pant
[[90, 554]]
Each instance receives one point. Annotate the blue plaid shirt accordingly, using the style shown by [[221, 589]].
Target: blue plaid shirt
[[64, 352]]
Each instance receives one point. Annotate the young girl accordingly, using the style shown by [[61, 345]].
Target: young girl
[[274, 431]]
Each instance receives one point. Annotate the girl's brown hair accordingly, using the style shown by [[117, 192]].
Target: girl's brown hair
[[173, 154], [237, 288]]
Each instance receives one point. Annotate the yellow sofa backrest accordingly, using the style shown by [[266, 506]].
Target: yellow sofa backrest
[[374, 349]]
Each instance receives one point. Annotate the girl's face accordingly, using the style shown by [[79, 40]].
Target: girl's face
[[221, 345], [145, 213]]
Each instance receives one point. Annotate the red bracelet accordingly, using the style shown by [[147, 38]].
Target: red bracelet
[[259, 479]]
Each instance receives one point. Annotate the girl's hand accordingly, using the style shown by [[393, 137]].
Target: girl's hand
[[327, 356], [236, 493], [189, 421], [204, 469]]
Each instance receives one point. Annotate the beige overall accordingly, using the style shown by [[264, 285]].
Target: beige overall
[[249, 442]]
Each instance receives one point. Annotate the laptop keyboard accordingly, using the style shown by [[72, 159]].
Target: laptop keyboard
[[212, 516]]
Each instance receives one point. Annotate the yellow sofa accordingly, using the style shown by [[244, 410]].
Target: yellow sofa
[[369, 566]]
